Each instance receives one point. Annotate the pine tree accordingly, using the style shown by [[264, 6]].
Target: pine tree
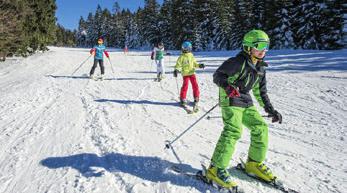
[[91, 33], [105, 25], [258, 13], [148, 23], [306, 21], [203, 33], [30, 25], [64, 37], [165, 19], [114, 26], [219, 24], [331, 25], [241, 24], [11, 34], [131, 31], [120, 26], [81, 35], [278, 24], [40, 23], [98, 23], [225, 24], [183, 22]]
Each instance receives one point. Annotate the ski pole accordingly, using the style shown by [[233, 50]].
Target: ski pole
[[81, 64], [178, 92], [169, 144], [151, 66], [109, 60], [212, 117]]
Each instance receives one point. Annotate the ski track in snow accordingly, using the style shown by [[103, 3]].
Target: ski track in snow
[[67, 133]]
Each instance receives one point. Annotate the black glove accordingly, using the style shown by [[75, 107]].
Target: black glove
[[175, 72], [276, 116], [201, 65]]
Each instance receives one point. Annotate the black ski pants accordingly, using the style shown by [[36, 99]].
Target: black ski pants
[[101, 64]]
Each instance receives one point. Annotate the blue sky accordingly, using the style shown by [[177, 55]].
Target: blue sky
[[69, 12]]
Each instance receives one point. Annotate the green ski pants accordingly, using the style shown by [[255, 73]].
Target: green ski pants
[[234, 118]]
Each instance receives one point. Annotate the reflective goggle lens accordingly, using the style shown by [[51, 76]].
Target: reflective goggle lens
[[260, 46]]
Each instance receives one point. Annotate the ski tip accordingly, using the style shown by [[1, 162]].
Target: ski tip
[[242, 162], [204, 167], [167, 144]]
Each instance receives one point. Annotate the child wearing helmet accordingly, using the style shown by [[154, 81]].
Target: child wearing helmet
[[186, 64], [158, 56], [235, 78], [98, 52]]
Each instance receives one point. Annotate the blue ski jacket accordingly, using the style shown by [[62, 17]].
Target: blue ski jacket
[[99, 50]]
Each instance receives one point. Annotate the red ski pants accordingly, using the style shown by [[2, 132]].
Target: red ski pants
[[184, 89]]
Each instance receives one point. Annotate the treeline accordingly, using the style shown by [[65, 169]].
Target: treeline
[[27, 26], [64, 37], [218, 24]]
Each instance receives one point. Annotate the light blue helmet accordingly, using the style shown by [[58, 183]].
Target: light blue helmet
[[187, 46]]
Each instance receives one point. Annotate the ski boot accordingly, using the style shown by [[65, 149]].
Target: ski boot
[[159, 77], [162, 76], [259, 170], [221, 177], [92, 76], [196, 105], [183, 103], [102, 77]]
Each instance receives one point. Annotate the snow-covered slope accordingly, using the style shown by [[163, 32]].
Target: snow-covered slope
[[63, 133]]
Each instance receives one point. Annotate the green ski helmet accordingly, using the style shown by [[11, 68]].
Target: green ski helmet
[[257, 39]]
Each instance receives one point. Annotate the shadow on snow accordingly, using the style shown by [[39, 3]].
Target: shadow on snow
[[147, 168], [138, 102], [134, 78], [72, 77], [85, 77]]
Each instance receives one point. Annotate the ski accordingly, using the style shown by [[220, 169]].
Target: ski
[[200, 175], [276, 183], [96, 78], [157, 79], [185, 107]]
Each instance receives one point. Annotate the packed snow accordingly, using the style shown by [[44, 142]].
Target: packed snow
[[66, 133]]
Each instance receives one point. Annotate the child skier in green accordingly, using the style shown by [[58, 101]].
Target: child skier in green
[[158, 55], [186, 64], [235, 78]]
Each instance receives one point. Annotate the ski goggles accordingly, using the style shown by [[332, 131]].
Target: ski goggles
[[260, 46]]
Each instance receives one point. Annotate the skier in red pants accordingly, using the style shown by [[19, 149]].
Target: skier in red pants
[[186, 64]]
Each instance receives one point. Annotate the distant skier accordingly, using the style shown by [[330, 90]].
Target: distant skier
[[158, 56], [186, 64], [235, 78], [98, 51], [125, 50]]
